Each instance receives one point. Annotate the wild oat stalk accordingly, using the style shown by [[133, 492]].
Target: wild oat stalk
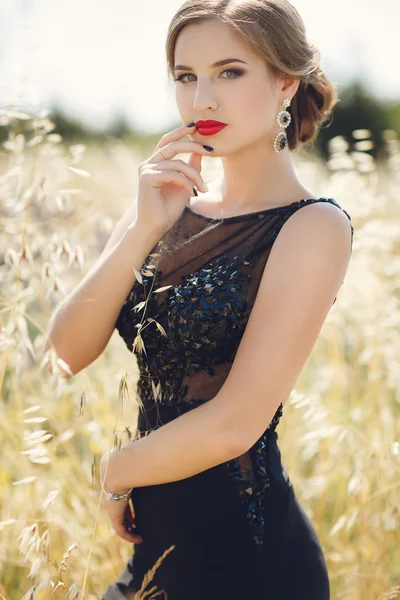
[[344, 413], [143, 305], [138, 342], [142, 594]]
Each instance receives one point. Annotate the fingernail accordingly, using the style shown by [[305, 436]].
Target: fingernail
[[208, 148], [195, 191], [191, 125]]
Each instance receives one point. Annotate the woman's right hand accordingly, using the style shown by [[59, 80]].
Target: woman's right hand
[[165, 183]]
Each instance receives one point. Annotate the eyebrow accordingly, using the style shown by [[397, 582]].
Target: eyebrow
[[219, 63]]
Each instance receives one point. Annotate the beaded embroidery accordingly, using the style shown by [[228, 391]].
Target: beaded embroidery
[[203, 318], [252, 492]]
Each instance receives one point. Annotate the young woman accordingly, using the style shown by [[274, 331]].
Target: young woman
[[234, 287]]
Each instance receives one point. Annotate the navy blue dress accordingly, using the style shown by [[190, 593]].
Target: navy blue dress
[[236, 531]]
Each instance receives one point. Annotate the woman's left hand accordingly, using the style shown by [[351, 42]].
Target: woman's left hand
[[120, 512]]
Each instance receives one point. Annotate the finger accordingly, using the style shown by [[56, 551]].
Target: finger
[[175, 134], [181, 166], [130, 518], [164, 176], [127, 534], [195, 162], [169, 151], [131, 536]]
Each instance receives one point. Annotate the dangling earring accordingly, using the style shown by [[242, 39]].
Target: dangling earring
[[284, 118]]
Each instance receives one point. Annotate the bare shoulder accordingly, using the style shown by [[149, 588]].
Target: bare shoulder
[[317, 219], [312, 252], [305, 269]]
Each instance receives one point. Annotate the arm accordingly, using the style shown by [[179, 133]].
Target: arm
[[303, 274], [122, 225], [84, 322]]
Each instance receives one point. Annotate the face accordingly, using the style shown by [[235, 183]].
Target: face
[[244, 95]]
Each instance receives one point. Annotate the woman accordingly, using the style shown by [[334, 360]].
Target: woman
[[233, 289]]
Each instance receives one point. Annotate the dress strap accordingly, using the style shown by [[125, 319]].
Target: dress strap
[[308, 201], [323, 199]]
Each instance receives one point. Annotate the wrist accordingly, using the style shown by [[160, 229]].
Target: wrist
[[143, 234], [118, 496], [110, 472]]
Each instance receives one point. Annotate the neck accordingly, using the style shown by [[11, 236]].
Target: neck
[[258, 176]]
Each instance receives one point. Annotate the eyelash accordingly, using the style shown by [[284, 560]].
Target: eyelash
[[236, 71]]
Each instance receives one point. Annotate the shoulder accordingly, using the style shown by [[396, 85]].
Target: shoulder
[[311, 252], [325, 212], [301, 279], [319, 225]]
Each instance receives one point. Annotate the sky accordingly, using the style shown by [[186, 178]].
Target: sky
[[95, 58]]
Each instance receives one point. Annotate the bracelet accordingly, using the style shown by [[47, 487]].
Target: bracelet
[[112, 495]]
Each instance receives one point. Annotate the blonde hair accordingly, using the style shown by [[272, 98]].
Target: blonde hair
[[275, 31]]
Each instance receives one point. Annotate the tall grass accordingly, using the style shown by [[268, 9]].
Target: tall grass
[[340, 435]]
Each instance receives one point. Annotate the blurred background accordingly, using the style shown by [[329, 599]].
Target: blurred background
[[84, 98], [101, 65]]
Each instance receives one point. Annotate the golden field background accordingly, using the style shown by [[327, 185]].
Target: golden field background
[[340, 435]]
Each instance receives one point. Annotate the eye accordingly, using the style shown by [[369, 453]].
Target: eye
[[237, 73]]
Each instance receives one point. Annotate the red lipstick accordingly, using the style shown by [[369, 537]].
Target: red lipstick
[[209, 127]]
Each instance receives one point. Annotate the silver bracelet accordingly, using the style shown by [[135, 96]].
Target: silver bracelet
[[112, 496]]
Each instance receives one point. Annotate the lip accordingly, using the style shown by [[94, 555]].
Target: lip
[[209, 123], [209, 127]]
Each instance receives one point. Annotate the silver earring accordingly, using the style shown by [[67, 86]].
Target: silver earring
[[284, 118]]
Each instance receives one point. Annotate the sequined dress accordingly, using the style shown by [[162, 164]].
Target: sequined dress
[[238, 529]]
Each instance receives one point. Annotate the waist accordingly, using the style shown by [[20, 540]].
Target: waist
[[158, 413], [154, 416]]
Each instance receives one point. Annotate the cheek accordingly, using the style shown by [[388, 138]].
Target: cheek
[[260, 103], [181, 99], [255, 101], [259, 119]]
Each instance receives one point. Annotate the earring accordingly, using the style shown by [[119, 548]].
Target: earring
[[284, 118]]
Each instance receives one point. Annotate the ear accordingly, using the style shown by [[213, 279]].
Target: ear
[[290, 86]]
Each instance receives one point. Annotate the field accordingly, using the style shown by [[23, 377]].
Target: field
[[340, 435]]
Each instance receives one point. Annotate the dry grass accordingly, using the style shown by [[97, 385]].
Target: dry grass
[[58, 206]]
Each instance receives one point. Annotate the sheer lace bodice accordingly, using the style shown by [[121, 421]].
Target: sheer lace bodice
[[185, 319]]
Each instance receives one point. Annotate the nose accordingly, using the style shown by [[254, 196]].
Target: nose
[[204, 99]]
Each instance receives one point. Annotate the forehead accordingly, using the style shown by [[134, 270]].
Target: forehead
[[209, 41]]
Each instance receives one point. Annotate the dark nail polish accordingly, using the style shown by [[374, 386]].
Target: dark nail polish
[[208, 148], [191, 125], [195, 191]]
